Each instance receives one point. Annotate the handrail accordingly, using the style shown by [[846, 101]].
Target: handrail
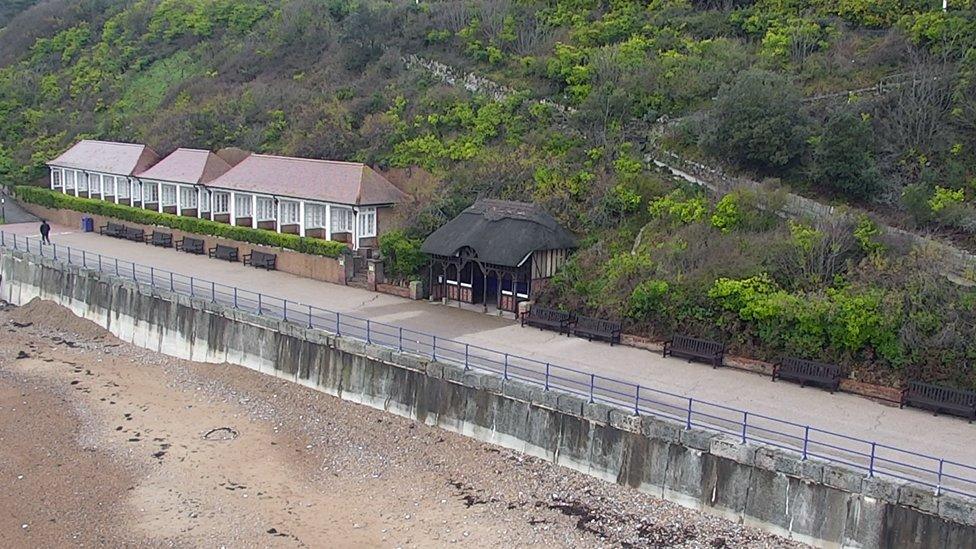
[[940, 474]]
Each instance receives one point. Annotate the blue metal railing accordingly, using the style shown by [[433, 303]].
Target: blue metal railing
[[942, 475]]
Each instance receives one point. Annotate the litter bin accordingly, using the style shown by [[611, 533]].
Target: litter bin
[[87, 224]]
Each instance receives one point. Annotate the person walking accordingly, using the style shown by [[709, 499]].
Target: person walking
[[45, 231]]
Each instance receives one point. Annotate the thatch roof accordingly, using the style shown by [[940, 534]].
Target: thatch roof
[[500, 232]]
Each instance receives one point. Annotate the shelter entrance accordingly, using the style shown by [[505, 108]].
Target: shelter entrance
[[467, 280]]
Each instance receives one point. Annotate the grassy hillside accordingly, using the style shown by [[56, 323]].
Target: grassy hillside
[[740, 83]]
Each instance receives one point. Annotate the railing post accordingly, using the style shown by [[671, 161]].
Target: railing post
[[400, 341], [337, 324], [172, 287], [117, 267], [547, 376], [235, 297], [368, 338], [466, 356], [871, 463], [433, 349], [806, 440], [152, 276], [134, 277], [191, 286], [260, 309], [213, 292], [309, 308], [69, 254], [505, 368], [745, 422], [15, 241], [54, 248], [938, 487], [84, 259], [592, 379], [284, 315], [637, 401], [688, 421]]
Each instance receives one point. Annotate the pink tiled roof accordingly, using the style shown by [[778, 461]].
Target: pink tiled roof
[[326, 180], [107, 157], [187, 166]]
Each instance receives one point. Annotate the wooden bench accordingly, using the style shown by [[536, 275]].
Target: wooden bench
[[161, 239], [135, 235], [940, 399], [261, 260], [692, 348], [190, 245], [808, 371], [115, 230], [545, 318], [220, 251], [597, 328]]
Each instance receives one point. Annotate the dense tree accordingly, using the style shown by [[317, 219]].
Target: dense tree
[[843, 157], [757, 121]]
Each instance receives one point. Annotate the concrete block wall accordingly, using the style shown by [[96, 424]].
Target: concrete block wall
[[820, 503]]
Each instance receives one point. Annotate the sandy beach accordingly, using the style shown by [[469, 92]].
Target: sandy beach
[[106, 444]]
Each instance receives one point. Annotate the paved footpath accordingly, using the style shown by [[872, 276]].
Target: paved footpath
[[855, 416]]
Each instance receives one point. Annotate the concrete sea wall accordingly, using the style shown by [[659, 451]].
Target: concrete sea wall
[[816, 502]]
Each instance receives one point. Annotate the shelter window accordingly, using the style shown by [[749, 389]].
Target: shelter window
[[242, 205], [150, 193], [289, 212], [56, 181], [108, 185], [342, 220], [123, 186], [221, 203], [314, 216], [169, 195], [266, 209], [367, 222], [188, 197]]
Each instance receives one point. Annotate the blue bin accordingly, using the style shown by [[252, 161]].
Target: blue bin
[[87, 224]]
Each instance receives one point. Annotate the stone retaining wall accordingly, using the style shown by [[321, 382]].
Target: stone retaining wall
[[812, 501]]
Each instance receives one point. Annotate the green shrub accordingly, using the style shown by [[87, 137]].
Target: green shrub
[[728, 215], [867, 233], [55, 200], [646, 299], [942, 198], [677, 208], [404, 259]]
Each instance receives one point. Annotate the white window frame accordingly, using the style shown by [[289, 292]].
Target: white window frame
[[69, 175], [150, 193], [108, 184], [221, 202], [265, 207], [188, 197], [367, 223], [204, 200], [122, 187], [315, 215], [81, 181], [57, 178], [290, 212], [342, 219], [168, 194], [242, 205]]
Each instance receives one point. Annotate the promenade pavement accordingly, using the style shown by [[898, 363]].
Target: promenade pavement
[[851, 415]]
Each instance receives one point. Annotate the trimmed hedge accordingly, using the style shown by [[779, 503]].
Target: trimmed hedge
[[52, 199]]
